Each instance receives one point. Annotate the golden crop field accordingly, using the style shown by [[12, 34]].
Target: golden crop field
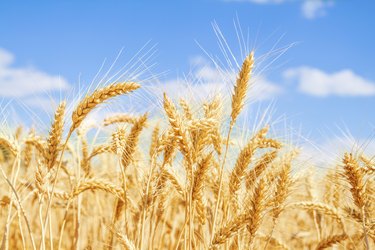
[[185, 186]]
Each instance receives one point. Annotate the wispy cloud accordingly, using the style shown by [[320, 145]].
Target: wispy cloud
[[315, 82], [310, 9], [315, 8], [26, 81]]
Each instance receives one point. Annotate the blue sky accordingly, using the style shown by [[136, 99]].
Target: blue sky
[[324, 79]]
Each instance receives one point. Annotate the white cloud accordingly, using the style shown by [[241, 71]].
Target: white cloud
[[316, 82], [25, 81], [310, 8], [315, 8], [206, 81]]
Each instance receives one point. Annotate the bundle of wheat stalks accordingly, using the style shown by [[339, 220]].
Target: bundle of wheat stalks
[[64, 192]]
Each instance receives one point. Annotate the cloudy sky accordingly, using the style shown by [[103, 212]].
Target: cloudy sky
[[315, 58]]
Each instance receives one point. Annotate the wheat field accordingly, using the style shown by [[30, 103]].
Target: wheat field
[[186, 186]]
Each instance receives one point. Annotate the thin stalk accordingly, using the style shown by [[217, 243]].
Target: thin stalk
[[221, 182], [364, 227], [270, 236], [125, 200], [317, 226], [63, 224], [4, 242], [191, 216], [50, 231], [43, 243], [55, 179], [21, 208], [180, 235], [144, 209]]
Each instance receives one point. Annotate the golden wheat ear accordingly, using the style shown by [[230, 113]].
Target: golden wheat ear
[[55, 135], [241, 87], [97, 97], [355, 179], [132, 140], [121, 118], [331, 240]]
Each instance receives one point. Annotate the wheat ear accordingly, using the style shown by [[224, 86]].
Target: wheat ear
[[238, 100], [121, 118], [79, 114], [259, 167], [331, 240], [324, 208], [241, 87], [252, 218], [198, 186], [55, 135], [177, 127], [187, 110], [283, 184], [256, 208], [369, 164], [8, 147], [97, 97], [132, 140], [355, 178]]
